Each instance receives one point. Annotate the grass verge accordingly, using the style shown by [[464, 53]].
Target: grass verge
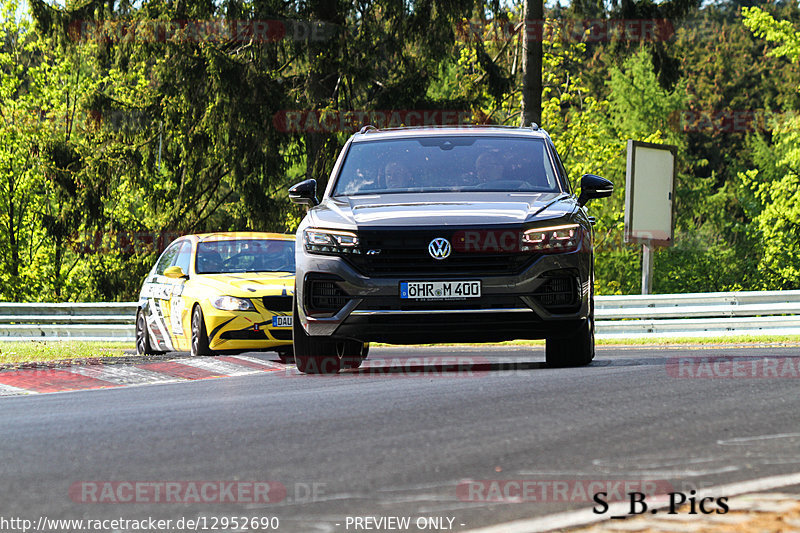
[[728, 339], [34, 351]]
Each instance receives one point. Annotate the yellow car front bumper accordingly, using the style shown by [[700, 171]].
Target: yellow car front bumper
[[245, 330]]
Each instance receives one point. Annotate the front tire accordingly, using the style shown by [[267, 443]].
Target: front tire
[[312, 355], [285, 355], [354, 353], [315, 355], [577, 350], [143, 346], [199, 334]]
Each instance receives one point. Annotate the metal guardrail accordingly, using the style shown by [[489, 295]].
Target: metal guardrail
[[658, 315], [698, 314], [68, 321]]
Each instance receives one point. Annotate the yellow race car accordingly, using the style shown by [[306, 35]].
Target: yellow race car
[[219, 292]]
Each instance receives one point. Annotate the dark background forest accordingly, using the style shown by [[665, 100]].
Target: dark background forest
[[123, 125]]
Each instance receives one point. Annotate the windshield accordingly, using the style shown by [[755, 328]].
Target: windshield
[[244, 255], [440, 163]]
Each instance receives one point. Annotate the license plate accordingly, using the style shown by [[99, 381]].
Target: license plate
[[281, 321], [440, 290]]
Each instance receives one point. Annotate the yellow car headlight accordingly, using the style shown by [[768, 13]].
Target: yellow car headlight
[[232, 303]]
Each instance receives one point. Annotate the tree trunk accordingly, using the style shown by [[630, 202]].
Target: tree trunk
[[532, 36], [320, 86], [12, 231], [57, 260]]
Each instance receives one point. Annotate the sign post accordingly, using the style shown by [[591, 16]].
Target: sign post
[[647, 269], [649, 201]]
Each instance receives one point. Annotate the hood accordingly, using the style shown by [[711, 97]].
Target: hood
[[441, 209], [249, 283]]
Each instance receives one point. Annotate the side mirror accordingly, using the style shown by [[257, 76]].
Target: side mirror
[[304, 193], [594, 187], [175, 272]]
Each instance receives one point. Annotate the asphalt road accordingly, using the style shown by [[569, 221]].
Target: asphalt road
[[430, 432]]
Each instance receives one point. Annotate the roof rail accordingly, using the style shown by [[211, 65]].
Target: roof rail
[[370, 128], [448, 126]]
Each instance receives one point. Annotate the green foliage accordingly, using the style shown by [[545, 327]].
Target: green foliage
[[27, 126], [638, 108], [112, 140], [776, 209], [773, 187], [763, 25]]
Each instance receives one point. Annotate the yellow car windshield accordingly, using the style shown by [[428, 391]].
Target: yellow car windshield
[[244, 255]]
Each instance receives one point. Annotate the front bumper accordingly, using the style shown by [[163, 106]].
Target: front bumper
[[238, 330], [508, 308]]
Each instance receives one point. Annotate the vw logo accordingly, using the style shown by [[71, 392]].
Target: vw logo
[[439, 248]]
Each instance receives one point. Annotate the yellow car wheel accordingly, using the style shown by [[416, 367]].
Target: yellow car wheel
[[199, 334], [143, 346]]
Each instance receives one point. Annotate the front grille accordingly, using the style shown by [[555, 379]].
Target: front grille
[[557, 293], [405, 253], [278, 303], [325, 296]]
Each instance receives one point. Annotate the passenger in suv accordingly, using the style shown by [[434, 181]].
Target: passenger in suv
[[452, 260]]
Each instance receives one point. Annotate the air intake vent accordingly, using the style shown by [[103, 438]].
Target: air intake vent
[[281, 335], [557, 293], [325, 296], [244, 335]]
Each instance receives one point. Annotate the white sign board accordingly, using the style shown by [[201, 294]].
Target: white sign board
[[650, 193]]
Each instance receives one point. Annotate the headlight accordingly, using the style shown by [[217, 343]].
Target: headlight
[[231, 303], [323, 241], [554, 239]]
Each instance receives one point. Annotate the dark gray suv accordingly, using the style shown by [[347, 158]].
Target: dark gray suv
[[429, 235]]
